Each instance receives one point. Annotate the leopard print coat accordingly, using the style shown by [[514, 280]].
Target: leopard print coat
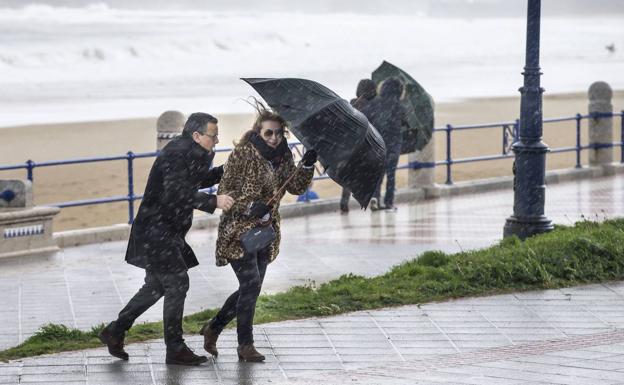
[[249, 177]]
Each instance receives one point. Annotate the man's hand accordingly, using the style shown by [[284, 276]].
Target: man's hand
[[224, 202], [217, 172]]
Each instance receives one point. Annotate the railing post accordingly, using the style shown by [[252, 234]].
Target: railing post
[[30, 165], [421, 172], [131, 196], [622, 137], [168, 126], [600, 124], [449, 160], [505, 141], [578, 140]]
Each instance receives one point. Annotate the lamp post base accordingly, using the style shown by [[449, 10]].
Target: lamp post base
[[527, 226]]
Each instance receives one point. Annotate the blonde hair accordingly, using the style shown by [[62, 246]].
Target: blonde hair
[[263, 114]]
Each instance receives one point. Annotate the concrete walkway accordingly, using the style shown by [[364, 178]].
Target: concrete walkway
[[567, 336], [87, 285]]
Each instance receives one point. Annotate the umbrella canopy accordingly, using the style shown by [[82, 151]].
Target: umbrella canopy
[[418, 103], [348, 146]]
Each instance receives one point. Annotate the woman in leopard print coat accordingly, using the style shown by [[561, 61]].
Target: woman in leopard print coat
[[257, 168]]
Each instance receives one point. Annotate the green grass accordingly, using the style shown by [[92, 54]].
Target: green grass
[[587, 252]]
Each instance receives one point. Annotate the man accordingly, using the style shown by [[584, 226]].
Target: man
[[387, 114], [157, 242], [364, 93]]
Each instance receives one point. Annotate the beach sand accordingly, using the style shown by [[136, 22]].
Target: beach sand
[[95, 180]]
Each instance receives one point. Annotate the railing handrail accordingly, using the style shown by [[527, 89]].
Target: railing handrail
[[510, 131], [95, 159], [510, 123]]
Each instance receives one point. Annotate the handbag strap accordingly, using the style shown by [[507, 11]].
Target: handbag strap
[[274, 198]]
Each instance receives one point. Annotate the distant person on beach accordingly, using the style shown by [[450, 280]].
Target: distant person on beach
[[364, 93], [258, 172], [387, 114], [157, 236]]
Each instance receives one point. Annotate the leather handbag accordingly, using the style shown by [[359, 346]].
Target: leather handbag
[[257, 238]]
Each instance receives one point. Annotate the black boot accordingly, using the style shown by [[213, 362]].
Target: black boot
[[249, 353], [184, 356], [210, 339], [114, 341]]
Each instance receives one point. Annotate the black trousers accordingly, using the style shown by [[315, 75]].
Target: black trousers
[[250, 271], [392, 160], [173, 286], [344, 199]]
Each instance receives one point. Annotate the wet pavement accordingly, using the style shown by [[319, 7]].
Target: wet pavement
[[84, 286], [87, 285], [567, 336]]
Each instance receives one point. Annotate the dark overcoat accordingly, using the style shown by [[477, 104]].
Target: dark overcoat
[[387, 114], [166, 211]]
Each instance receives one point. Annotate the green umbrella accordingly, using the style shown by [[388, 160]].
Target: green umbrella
[[418, 103]]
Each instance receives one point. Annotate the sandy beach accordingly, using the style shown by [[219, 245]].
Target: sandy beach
[[76, 140]]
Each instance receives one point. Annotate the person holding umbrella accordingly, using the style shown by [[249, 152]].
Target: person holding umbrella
[[257, 172], [364, 93], [387, 114]]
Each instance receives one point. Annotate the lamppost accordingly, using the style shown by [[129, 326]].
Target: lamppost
[[530, 164]]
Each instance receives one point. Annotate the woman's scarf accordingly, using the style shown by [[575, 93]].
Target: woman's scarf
[[273, 155]]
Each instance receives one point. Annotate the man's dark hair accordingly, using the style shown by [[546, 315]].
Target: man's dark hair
[[198, 121]]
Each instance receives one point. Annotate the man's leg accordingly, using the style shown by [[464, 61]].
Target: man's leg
[[175, 286], [393, 160], [113, 334], [146, 297], [376, 199], [344, 199]]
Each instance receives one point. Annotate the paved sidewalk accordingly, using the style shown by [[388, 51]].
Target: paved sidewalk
[[87, 285], [567, 336]]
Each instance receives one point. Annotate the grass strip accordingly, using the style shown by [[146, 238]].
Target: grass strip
[[584, 253]]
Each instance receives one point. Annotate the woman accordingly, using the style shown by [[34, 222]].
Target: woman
[[260, 164]]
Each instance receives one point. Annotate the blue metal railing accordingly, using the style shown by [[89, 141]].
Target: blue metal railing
[[510, 132]]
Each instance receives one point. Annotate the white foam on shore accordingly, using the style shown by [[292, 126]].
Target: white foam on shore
[[98, 63]]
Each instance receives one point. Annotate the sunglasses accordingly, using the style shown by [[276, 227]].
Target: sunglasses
[[270, 132]]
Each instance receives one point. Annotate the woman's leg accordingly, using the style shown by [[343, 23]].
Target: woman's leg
[[250, 282], [228, 311]]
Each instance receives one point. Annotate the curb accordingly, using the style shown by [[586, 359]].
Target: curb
[[121, 232]]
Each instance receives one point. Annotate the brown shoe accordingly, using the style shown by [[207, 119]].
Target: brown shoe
[[114, 341], [249, 353], [184, 356], [210, 339]]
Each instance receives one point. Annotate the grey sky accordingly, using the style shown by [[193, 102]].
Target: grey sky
[[438, 8]]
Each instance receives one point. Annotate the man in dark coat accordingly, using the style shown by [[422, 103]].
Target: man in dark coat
[[364, 93], [157, 241], [387, 114]]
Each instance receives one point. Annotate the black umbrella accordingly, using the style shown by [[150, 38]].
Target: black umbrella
[[348, 146], [418, 103]]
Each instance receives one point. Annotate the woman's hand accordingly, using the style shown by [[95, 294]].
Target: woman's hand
[[258, 209], [309, 158], [224, 202]]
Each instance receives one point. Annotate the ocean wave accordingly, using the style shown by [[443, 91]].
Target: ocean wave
[[110, 53]]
